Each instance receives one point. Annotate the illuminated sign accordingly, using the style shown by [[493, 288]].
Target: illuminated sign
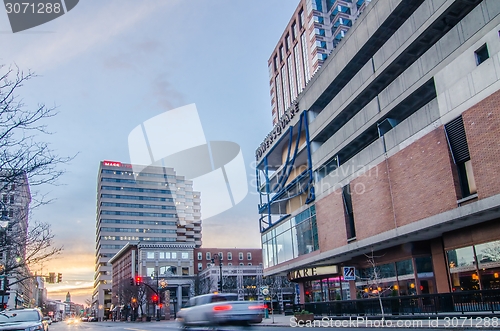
[[116, 164], [312, 272]]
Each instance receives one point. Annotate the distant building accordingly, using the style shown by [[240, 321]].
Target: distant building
[[170, 265], [15, 197], [154, 206], [315, 29]]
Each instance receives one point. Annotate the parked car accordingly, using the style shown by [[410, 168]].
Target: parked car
[[23, 319], [220, 309]]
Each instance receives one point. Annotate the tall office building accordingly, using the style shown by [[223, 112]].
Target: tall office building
[[315, 29], [151, 206]]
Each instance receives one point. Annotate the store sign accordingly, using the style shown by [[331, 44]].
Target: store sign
[[312, 272], [277, 131], [349, 273], [116, 164]]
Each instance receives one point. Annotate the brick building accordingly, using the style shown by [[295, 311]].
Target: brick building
[[390, 158]]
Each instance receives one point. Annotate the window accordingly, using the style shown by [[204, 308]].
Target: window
[[200, 256], [288, 42], [150, 255], [240, 255], [208, 256], [249, 256], [301, 18], [162, 255], [229, 264], [282, 54], [185, 255], [241, 263], [11, 213], [457, 141], [167, 255], [11, 199], [221, 256], [4, 199], [482, 54], [185, 271], [174, 255], [200, 266], [250, 263], [229, 256], [348, 212], [294, 31]]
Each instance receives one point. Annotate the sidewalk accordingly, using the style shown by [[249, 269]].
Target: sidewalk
[[435, 322]]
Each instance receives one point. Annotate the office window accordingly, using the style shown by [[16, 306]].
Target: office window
[[167, 255], [482, 54], [208, 256], [249, 256], [282, 54], [200, 256], [185, 255], [348, 212], [162, 255], [229, 255], [301, 18], [288, 42], [294, 31], [174, 255], [200, 266], [150, 255], [240, 255], [457, 141]]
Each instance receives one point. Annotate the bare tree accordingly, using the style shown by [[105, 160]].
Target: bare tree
[[26, 162], [374, 280]]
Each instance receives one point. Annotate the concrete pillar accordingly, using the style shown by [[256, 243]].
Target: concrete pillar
[[179, 297], [439, 266]]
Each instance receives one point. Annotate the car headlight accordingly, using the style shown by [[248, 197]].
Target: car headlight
[[35, 328]]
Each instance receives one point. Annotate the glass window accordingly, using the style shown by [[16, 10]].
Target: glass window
[[229, 255], [249, 256], [150, 255], [150, 271], [185, 255], [167, 255], [462, 268], [185, 271], [208, 256], [174, 255], [404, 267], [488, 254], [240, 255], [200, 266], [423, 264], [200, 256]]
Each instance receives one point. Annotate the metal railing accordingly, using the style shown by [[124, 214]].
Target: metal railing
[[487, 301]]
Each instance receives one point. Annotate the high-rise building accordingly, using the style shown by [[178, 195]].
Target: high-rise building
[[315, 29], [385, 178], [154, 205], [15, 200]]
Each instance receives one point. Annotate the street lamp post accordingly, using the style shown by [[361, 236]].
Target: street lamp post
[[4, 223], [219, 257]]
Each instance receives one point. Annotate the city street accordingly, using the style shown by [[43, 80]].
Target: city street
[[118, 326]]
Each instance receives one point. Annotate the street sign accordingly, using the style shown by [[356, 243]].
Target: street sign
[[349, 273]]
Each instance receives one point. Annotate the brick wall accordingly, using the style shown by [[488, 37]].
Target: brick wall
[[371, 201], [330, 221], [482, 127], [421, 179]]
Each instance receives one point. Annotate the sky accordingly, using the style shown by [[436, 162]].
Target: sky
[[110, 65]]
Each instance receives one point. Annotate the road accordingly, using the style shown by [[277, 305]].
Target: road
[[151, 326]]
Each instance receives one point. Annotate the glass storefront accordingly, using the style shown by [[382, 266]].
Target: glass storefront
[[407, 277], [475, 267], [327, 289]]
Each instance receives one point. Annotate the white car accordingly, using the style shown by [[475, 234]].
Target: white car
[[220, 309]]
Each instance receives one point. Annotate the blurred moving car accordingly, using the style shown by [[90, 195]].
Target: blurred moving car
[[93, 319], [84, 319], [220, 309], [72, 320], [23, 319]]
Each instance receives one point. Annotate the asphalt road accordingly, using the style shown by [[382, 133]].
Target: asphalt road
[[151, 326]]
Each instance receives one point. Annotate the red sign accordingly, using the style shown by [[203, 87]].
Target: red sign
[[116, 164]]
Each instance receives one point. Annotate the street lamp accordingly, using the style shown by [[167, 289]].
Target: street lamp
[[4, 224], [219, 257]]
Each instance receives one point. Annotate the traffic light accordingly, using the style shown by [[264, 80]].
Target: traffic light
[[138, 280], [155, 298], [59, 278], [219, 285], [132, 283]]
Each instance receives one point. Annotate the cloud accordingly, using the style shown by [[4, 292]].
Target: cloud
[[78, 34], [166, 96]]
